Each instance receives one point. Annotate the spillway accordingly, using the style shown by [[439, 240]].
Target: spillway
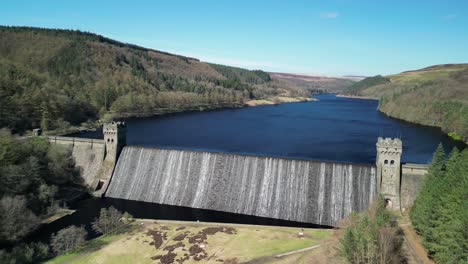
[[295, 190]]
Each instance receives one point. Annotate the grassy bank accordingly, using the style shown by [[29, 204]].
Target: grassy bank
[[189, 242]]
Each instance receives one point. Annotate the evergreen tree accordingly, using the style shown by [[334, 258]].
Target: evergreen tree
[[438, 160], [440, 211], [447, 232], [422, 209]]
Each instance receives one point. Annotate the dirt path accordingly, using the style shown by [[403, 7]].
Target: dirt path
[[270, 259], [415, 249], [297, 251]]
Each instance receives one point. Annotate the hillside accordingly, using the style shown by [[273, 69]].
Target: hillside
[[435, 96], [53, 78], [357, 87], [314, 83]]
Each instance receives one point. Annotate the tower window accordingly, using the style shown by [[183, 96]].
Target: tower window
[[108, 140], [392, 162], [386, 162], [112, 140]]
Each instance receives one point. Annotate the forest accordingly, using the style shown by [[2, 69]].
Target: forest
[[56, 78], [37, 179]]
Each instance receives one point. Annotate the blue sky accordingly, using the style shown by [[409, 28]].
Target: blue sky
[[337, 37]]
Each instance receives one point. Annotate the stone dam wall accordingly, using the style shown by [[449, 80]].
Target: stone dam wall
[[412, 180], [87, 153], [295, 190]]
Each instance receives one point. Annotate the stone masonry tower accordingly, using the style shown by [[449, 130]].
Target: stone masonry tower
[[115, 139], [388, 164]]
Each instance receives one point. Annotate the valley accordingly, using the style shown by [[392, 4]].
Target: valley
[[233, 132]]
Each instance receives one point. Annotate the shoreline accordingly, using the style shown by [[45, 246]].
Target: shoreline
[[193, 109], [447, 134], [401, 119], [278, 100], [356, 97], [218, 107]]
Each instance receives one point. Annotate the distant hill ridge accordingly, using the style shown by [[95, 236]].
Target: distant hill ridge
[[86, 36], [435, 96], [54, 77], [314, 83], [439, 67]]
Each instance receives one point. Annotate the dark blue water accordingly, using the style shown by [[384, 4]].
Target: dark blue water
[[333, 129]]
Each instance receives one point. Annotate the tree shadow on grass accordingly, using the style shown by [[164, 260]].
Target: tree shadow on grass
[[97, 243]]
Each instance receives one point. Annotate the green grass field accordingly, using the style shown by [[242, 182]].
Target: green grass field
[[188, 242]]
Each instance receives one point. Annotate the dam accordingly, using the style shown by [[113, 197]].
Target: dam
[[295, 190]]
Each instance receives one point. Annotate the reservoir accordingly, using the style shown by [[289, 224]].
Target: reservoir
[[331, 129]]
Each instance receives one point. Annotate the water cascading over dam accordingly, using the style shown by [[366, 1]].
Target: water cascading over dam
[[295, 190]]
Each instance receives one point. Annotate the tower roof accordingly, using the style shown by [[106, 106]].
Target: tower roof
[[114, 125], [389, 143]]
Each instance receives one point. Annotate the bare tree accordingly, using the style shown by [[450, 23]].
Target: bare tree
[[109, 219], [68, 239], [16, 219], [389, 243]]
